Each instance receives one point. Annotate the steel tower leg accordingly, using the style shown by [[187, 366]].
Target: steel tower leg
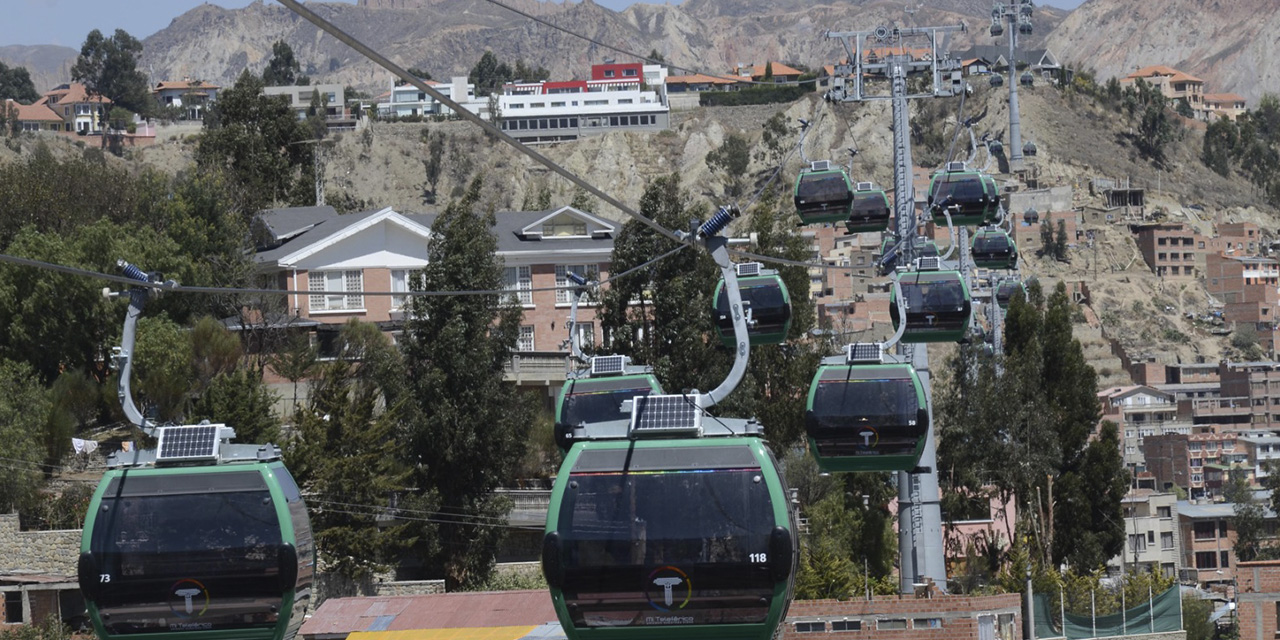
[[920, 549], [1015, 127]]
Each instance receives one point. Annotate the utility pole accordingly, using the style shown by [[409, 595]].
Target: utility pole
[[919, 512], [1018, 14]]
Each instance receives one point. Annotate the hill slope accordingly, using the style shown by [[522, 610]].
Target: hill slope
[[1232, 46]]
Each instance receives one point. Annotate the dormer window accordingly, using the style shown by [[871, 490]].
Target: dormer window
[[564, 225]]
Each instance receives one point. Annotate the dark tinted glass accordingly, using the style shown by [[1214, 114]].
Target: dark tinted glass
[[846, 402], [924, 295], [770, 309], [870, 205], [817, 188], [991, 243], [183, 562], [585, 404], [664, 548]]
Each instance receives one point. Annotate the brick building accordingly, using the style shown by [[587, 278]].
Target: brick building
[[1194, 461], [1247, 287], [906, 618], [1170, 250], [1258, 599]]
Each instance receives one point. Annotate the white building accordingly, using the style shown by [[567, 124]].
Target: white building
[[405, 100], [333, 96], [193, 96], [1151, 534]]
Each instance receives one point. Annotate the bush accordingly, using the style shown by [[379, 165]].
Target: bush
[[757, 95]]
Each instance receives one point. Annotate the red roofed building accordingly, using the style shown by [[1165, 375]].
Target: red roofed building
[[80, 111], [756, 72], [32, 117], [1174, 84], [1223, 105]]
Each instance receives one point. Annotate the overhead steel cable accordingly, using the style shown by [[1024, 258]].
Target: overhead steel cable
[[179, 288], [599, 43], [464, 113]]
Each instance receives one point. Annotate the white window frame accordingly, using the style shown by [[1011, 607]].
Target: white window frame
[[348, 280], [519, 281], [400, 279], [588, 271], [586, 333], [525, 342]]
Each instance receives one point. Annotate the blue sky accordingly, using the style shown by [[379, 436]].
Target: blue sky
[[67, 22]]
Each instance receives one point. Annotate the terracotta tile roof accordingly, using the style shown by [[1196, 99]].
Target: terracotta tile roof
[[758, 70], [73, 93], [183, 84], [1223, 97], [37, 112], [699, 77], [1162, 70], [436, 611]]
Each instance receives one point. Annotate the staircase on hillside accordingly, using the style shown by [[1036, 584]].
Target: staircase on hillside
[[1097, 352]]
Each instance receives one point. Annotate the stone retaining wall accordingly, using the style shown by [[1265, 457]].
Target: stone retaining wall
[[47, 552]]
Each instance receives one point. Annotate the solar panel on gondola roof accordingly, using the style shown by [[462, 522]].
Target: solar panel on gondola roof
[[608, 365], [664, 414], [194, 442]]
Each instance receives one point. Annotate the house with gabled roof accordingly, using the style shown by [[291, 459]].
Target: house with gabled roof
[[756, 72], [1174, 84], [81, 111], [31, 117], [340, 256], [1041, 62], [1223, 105]]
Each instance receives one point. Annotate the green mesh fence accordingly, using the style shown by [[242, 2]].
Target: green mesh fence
[[1163, 613]]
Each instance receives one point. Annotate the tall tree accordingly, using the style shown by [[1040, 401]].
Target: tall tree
[[15, 84], [23, 409], [1015, 419], [260, 145], [671, 328], [465, 427], [346, 456], [283, 69], [109, 67]]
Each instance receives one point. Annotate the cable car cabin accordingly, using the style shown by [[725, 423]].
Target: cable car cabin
[[866, 417], [994, 249], [1007, 290], [823, 194], [996, 80], [197, 552], [870, 211], [689, 539], [970, 196], [597, 400], [766, 300], [937, 306]]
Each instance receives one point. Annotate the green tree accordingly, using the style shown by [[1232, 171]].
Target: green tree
[[489, 74], [162, 368], [730, 162], [347, 456], [465, 427], [433, 164], [283, 69], [1221, 143], [295, 360], [775, 134], [1249, 519], [1060, 242], [768, 71], [671, 327], [1046, 239], [241, 400], [16, 84], [419, 73], [108, 67], [23, 409], [583, 201], [258, 143], [1195, 618]]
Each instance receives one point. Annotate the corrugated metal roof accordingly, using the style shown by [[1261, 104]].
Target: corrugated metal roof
[[469, 610]]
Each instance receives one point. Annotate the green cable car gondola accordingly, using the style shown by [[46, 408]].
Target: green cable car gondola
[[598, 400], [823, 194], [197, 552], [1007, 290], [688, 539], [767, 302], [867, 417], [971, 197], [994, 249], [937, 304], [870, 211]]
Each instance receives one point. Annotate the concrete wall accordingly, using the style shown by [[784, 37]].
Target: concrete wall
[[47, 552]]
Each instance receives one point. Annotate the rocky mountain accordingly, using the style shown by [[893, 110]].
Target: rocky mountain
[[446, 37], [49, 65], [1233, 46]]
